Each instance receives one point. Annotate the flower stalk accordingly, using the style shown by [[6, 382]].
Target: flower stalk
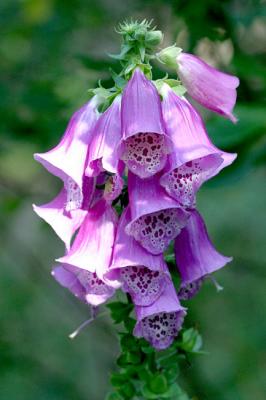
[[132, 161]]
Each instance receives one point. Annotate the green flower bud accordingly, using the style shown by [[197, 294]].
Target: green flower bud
[[168, 56], [140, 33], [153, 38]]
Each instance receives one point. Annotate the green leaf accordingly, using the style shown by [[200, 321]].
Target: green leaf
[[129, 342], [129, 324], [147, 393], [171, 373], [113, 396], [127, 390], [119, 311], [158, 383], [118, 379]]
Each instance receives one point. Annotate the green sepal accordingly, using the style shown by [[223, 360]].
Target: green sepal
[[119, 81], [153, 38], [126, 47], [168, 56], [191, 341], [129, 357], [127, 390]]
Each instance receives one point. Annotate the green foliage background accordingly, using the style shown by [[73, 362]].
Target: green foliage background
[[51, 52]]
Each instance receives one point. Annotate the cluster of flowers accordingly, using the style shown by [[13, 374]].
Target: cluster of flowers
[[152, 146]]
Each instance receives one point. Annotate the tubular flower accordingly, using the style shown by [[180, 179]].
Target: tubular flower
[[83, 284], [160, 322], [211, 88], [67, 159], [145, 144], [92, 247], [194, 158], [143, 275], [156, 217], [196, 256], [106, 135]]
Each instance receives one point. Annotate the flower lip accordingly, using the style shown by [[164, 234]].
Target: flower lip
[[156, 217], [67, 160], [148, 324], [83, 284], [196, 257], [194, 158]]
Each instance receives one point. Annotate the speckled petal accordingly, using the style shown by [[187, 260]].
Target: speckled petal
[[156, 217], [160, 322]]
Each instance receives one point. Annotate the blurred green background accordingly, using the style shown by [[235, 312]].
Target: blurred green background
[[51, 52]]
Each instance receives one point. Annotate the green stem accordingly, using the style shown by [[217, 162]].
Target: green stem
[[142, 372]]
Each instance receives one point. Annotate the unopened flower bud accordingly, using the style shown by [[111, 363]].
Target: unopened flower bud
[[168, 56], [153, 38]]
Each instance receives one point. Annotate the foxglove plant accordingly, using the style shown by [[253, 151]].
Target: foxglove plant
[[131, 161]]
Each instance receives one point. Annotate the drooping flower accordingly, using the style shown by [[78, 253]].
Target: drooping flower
[[83, 284], [156, 217], [67, 159], [160, 322], [143, 275], [196, 256], [194, 158], [92, 247], [145, 144], [211, 88], [103, 150], [65, 223]]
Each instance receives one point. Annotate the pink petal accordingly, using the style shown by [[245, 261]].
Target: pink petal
[[196, 256], [103, 152], [143, 130], [92, 248], [160, 322], [64, 223], [142, 274], [211, 88], [67, 159], [194, 158], [156, 217]]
